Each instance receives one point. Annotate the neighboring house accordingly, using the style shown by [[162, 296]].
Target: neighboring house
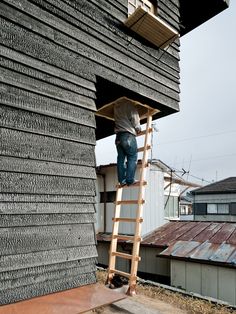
[[161, 197], [174, 187], [198, 257], [60, 62], [153, 213], [150, 267], [216, 201], [202, 257], [172, 190], [186, 207]]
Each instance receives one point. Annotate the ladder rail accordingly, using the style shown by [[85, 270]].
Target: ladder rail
[[139, 212], [115, 229]]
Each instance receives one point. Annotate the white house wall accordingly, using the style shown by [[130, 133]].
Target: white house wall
[[153, 213], [213, 198], [152, 264], [212, 281], [111, 178], [171, 211]]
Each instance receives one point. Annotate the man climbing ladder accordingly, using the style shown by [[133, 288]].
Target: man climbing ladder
[[136, 238], [124, 183], [127, 126]]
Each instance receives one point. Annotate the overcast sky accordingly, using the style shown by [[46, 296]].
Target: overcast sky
[[201, 138]]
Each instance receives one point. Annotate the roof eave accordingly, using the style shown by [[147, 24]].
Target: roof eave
[[195, 13], [193, 260], [213, 192]]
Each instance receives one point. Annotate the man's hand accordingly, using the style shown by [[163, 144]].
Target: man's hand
[[138, 130]]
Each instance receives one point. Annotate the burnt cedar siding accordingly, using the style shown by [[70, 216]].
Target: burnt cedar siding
[[54, 57]]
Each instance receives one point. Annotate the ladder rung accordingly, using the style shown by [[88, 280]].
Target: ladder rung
[[127, 238], [142, 149], [136, 184], [126, 256], [121, 273], [144, 132], [127, 219], [129, 202]]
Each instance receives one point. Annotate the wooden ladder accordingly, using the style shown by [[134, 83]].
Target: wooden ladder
[[136, 238]]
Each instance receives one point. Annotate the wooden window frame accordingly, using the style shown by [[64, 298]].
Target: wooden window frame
[[145, 3]]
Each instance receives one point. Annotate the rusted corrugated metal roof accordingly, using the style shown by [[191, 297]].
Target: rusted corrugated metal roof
[[213, 242], [199, 231]]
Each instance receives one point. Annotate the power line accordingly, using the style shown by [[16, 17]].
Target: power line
[[191, 175], [209, 158], [182, 172], [197, 137]]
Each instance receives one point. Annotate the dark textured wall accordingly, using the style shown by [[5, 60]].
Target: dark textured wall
[[51, 54]]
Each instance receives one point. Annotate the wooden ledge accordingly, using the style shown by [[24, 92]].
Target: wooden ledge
[[73, 301], [151, 27]]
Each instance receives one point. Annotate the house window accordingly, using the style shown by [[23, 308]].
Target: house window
[[223, 208], [108, 197], [218, 209], [145, 4], [185, 210], [171, 207], [212, 208]]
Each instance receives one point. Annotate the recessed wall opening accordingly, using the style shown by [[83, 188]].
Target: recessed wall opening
[[107, 92]]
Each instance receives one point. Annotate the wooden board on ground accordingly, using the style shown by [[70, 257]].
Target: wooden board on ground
[[73, 301]]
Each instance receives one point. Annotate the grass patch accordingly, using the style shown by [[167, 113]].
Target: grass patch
[[190, 304]]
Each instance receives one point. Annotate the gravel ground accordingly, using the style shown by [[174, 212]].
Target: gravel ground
[[183, 304]]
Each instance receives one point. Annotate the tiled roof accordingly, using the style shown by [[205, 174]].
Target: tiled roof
[[211, 242], [224, 186]]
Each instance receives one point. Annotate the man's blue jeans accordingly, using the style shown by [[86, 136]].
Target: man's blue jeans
[[126, 146]]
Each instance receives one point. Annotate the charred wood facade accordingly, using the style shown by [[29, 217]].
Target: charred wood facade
[[59, 62]]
